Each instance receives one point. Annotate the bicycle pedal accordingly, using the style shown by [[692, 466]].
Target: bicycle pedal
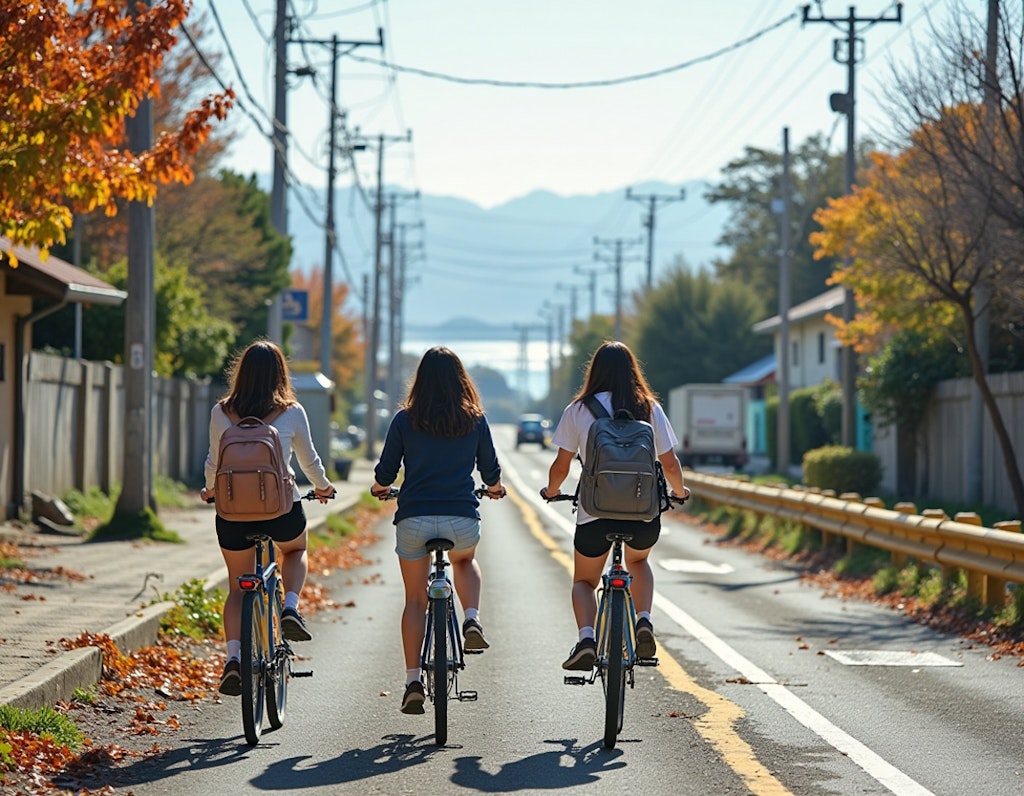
[[646, 661], [308, 673], [570, 679], [473, 652], [467, 696]]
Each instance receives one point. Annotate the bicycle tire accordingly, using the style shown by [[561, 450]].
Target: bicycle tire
[[439, 617], [253, 666], [615, 674], [280, 671]]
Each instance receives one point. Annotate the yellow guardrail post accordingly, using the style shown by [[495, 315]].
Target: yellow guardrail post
[[826, 538], [995, 593], [900, 560], [976, 581]]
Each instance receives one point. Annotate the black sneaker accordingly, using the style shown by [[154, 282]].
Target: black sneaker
[[293, 626], [474, 635], [414, 697], [646, 646], [231, 679], [583, 656]]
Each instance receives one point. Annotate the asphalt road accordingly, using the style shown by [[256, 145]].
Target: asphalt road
[[755, 692]]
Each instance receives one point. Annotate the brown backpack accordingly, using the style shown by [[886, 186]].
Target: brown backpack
[[253, 482]]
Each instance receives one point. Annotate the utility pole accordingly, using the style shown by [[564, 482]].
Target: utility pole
[[378, 268], [394, 350], [591, 274], [617, 262], [652, 200], [523, 363], [395, 378], [572, 290], [846, 104], [279, 137], [140, 310], [785, 257]]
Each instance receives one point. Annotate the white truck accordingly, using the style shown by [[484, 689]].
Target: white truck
[[710, 421]]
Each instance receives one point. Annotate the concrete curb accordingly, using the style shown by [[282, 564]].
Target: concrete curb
[[57, 680]]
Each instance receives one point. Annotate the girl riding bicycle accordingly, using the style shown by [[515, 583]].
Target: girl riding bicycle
[[615, 378], [440, 436], [261, 387]]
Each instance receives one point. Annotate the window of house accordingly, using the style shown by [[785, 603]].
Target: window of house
[[796, 353], [821, 348]]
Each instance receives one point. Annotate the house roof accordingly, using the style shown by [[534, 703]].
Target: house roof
[[816, 307], [54, 278], [755, 373]]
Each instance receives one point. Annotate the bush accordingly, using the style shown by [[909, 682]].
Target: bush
[[842, 469]]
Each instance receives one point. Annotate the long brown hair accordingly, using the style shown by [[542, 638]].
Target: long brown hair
[[259, 381], [614, 369], [443, 400]]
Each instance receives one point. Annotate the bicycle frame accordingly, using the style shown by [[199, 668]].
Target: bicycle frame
[[442, 639], [616, 579]]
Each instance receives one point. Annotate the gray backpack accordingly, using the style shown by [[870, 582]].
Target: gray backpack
[[622, 478]]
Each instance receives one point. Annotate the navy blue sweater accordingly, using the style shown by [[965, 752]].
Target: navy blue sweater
[[438, 470]]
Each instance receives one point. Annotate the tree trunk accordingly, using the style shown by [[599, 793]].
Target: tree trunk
[[1005, 443]]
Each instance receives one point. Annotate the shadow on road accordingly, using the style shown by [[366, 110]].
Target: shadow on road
[[544, 770]]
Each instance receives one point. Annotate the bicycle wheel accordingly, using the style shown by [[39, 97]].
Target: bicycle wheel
[[439, 617], [254, 631], [280, 671], [615, 674]]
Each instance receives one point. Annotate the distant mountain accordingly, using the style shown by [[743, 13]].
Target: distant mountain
[[502, 265]]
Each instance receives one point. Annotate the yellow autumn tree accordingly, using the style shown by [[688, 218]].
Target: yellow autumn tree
[[920, 239], [70, 74]]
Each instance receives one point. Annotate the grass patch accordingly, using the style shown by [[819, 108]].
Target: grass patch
[[197, 614], [11, 563], [84, 695], [886, 580], [141, 525], [44, 722], [861, 561]]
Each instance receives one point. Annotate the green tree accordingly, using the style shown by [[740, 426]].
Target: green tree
[[693, 328], [189, 341], [751, 185]]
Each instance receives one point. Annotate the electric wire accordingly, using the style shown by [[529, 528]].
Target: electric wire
[[615, 81]]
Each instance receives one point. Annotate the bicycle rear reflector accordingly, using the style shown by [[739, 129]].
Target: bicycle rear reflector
[[247, 583], [617, 583]]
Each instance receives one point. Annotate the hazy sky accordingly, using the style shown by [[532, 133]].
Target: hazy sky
[[489, 143]]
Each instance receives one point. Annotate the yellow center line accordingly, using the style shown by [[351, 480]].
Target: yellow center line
[[718, 724]]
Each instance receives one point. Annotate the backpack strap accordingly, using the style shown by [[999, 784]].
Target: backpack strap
[[235, 419], [595, 406]]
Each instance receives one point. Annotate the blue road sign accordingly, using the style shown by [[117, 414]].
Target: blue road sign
[[295, 305]]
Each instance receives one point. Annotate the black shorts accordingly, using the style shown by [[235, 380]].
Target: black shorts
[[590, 539], [231, 535]]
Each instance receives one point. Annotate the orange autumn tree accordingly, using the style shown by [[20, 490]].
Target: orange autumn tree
[[347, 349], [921, 239], [70, 74]]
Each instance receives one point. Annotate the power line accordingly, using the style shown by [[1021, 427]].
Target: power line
[[616, 81]]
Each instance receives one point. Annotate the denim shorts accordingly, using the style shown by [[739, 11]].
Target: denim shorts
[[413, 533]]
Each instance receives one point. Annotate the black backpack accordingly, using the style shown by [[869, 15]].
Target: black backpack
[[622, 477]]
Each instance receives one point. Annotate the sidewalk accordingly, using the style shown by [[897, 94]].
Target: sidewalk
[[119, 578]]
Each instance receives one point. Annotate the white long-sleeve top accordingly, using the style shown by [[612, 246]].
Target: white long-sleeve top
[[293, 427]]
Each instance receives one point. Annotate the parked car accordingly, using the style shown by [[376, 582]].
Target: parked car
[[532, 428]]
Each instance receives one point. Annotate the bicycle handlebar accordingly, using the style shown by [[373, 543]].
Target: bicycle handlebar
[[310, 495], [677, 499], [480, 491]]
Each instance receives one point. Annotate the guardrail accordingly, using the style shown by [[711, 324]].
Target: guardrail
[[989, 556]]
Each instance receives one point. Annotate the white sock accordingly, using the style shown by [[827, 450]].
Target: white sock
[[473, 613], [644, 615], [291, 600], [412, 676], [587, 632], [235, 650]]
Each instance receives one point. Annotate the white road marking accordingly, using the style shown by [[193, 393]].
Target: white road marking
[[890, 658], [694, 566]]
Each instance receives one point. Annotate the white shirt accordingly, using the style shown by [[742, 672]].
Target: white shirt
[[293, 427], [571, 433]]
